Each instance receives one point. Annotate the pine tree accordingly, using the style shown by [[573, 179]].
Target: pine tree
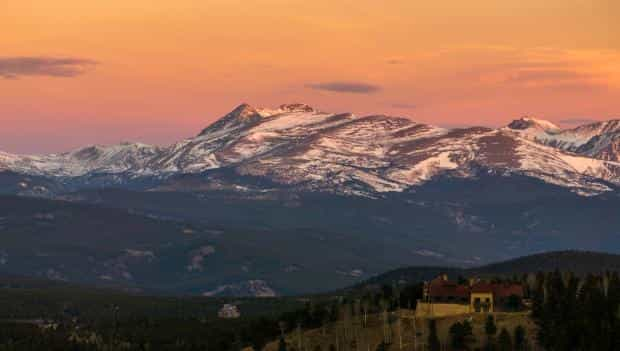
[[433, 339], [489, 326], [490, 329], [504, 342], [460, 333], [282, 345], [519, 338], [382, 347]]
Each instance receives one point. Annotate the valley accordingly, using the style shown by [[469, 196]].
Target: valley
[[268, 212], [377, 315]]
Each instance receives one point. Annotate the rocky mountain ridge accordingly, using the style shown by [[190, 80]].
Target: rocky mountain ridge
[[303, 148]]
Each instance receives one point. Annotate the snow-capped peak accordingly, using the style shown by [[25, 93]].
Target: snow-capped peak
[[243, 111], [526, 122], [297, 145], [242, 115], [286, 108], [297, 107]]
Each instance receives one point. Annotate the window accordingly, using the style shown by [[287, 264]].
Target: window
[[477, 304]]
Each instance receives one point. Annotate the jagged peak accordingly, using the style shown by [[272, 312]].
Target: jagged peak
[[297, 107], [528, 122], [609, 126], [241, 115], [246, 114], [120, 145], [242, 111], [95, 151]]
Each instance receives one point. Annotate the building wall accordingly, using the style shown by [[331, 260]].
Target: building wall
[[483, 298], [425, 309]]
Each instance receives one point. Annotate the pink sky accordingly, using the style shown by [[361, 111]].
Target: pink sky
[[74, 73]]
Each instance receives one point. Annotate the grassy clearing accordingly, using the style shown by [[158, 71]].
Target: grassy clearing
[[344, 336]]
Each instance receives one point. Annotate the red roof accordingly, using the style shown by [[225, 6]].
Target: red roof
[[444, 288], [482, 287], [498, 290]]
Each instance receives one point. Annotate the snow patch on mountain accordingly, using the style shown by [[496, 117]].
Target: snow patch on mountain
[[425, 169], [298, 146], [599, 140], [254, 288], [529, 124]]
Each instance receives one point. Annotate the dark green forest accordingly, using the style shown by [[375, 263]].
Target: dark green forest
[[570, 311], [575, 313]]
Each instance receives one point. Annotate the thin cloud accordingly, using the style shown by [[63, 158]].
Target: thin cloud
[[395, 61], [534, 68], [346, 87], [16, 67], [554, 75], [557, 78]]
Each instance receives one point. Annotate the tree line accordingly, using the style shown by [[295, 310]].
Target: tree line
[[570, 313]]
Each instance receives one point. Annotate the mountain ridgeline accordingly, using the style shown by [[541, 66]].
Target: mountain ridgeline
[[303, 149], [581, 263], [294, 200]]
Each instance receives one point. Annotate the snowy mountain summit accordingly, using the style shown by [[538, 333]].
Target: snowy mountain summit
[[529, 123], [301, 148]]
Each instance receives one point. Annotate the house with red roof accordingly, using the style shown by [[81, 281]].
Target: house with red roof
[[445, 297]]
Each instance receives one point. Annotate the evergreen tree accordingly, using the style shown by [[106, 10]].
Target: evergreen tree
[[514, 303], [382, 347], [504, 342], [282, 345], [489, 326], [433, 339], [519, 338], [578, 314], [460, 333], [490, 329]]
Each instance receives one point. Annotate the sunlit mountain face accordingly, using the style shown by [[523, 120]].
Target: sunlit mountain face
[[75, 73], [301, 148], [403, 174], [245, 206]]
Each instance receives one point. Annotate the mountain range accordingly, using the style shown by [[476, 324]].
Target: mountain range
[[293, 200], [301, 148]]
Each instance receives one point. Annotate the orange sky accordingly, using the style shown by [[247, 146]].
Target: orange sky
[[165, 69]]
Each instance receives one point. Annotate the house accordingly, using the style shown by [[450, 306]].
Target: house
[[481, 297], [443, 297], [229, 311], [442, 290]]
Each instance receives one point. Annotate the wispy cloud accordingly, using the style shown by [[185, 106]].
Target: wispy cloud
[[345, 87], [555, 78], [533, 68], [395, 61], [16, 67], [538, 75]]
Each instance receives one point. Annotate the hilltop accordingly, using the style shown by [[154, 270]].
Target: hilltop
[[578, 262]]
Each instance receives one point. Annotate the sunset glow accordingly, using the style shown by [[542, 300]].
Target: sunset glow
[[74, 72]]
